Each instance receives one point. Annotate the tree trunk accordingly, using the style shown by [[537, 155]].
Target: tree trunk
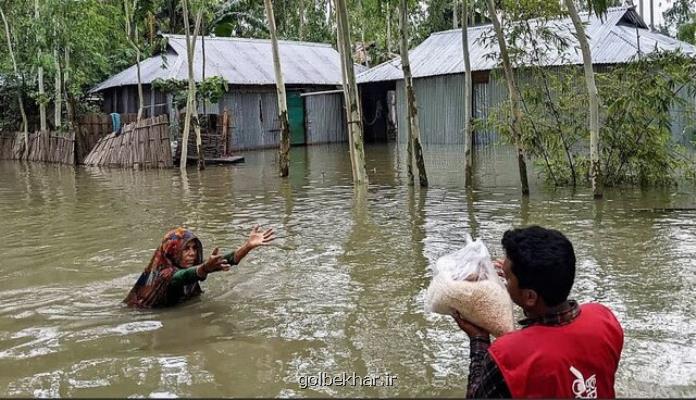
[[362, 34], [652, 15], [42, 93], [302, 19], [205, 111], [284, 151], [353, 111], [69, 106], [641, 9], [388, 38], [132, 37], [455, 22], [57, 91], [468, 98], [42, 102], [330, 20], [595, 170], [141, 99], [344, 80], [191, 98], [514, 97], [25, 123], [171, 4], [413, 126]]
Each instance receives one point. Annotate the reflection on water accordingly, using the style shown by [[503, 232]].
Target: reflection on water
[[340, 291]]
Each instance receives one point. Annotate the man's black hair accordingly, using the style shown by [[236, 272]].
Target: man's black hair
[[542, 260]]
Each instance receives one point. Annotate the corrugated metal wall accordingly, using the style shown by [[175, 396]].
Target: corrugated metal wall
[[487, 97], [440, 102], [255, 123], [254, 119], [441, 114], [124, 100], [325, 119]]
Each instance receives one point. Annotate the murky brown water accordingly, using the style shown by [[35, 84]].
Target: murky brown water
[[340, 292]]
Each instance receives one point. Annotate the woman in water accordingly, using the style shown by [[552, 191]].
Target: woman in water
[[177, 266]]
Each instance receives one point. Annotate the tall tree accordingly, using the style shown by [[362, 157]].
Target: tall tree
[[40, 70], [468, 99], [57, 86], [593, 95], [191, 108], [284, 150], [413, 127], [132, 37], [10, 47], [388, 38], [350, 88], [514, 96]]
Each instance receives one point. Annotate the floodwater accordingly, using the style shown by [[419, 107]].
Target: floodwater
[[340, 292]]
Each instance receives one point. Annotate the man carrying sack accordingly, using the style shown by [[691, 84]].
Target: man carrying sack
[[563, 350]]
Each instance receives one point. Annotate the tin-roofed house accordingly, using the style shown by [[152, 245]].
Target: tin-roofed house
[[312, 73], [437, 66]]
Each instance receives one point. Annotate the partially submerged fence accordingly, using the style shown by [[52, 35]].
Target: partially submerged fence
[[93, 127], [60, 147], [144, 144], [45, 146]]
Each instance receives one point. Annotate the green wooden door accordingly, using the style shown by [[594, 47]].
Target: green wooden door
[[296, 118]]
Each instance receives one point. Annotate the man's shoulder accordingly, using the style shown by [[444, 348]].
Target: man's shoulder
[[599, 310], [512, 337]]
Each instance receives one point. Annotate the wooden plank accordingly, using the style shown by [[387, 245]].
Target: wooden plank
[[219, 160]]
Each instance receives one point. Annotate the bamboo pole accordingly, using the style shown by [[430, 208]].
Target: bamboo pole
[[468, 99], [413, 125], [25, 123], [595, 168], [284, 149], [354, 114], [514, 97]]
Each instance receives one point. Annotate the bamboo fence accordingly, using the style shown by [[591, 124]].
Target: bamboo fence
[[144, 144], [47, 146], [92, 127], [60, 147]]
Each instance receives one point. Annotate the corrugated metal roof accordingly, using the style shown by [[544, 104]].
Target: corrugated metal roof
[[612, 41], [240, 62]]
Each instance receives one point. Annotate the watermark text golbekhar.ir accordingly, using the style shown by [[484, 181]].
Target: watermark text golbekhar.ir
[[346, 379]]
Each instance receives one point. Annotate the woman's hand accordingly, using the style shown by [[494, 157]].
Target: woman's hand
[[260, 238], [167, 273], [470, 329], [214, 263]]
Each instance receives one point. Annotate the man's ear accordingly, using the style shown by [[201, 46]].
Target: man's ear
[[530, 298]]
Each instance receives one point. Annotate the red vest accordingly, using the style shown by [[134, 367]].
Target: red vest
[[578, 359]]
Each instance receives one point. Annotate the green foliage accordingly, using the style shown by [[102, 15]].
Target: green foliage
[[636, 139], [636, 142], [211, 89], [636, 136], [681, 18], [687, 31]]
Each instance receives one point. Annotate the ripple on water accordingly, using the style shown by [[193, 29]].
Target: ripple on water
[[341, 290]]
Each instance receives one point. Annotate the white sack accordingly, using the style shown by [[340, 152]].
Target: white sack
[[466, 281]]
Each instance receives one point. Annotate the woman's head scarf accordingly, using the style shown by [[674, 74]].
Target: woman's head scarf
[[151, 288]]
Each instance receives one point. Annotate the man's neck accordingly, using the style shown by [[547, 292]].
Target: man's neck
[[543, 310]]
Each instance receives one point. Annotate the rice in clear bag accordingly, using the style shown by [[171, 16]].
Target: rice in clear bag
[[466, 281]]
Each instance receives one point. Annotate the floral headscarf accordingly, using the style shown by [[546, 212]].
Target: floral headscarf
[[151, 288]]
